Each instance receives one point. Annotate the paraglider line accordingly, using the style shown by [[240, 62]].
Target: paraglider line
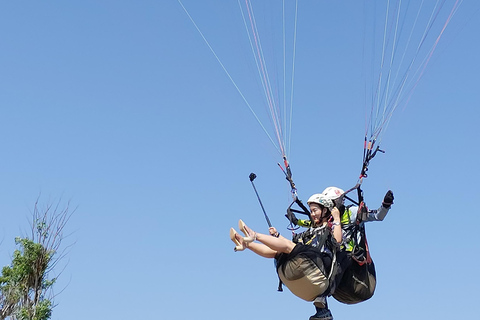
[[228, 74]]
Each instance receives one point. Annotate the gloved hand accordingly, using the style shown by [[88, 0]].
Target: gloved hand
[[388, 200], [338, 202]]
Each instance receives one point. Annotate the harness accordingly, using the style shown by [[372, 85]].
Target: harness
[[360, 252], [356, 242], [310, 244]]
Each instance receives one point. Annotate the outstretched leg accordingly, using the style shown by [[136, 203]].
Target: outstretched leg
[[277, 244], [258, 248]]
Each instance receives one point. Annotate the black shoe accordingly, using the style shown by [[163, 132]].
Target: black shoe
[[322, 314]]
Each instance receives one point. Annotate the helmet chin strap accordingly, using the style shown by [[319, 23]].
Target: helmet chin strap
[[323, 216]]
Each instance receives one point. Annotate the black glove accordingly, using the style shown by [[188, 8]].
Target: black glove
[[340, 206], [291, 217], [338, 202], [388, 200]]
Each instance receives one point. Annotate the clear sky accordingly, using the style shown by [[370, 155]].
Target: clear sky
[[121, 108]]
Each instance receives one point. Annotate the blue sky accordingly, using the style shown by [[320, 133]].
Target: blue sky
[[121, 108]]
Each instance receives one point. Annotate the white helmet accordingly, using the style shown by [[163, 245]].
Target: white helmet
[[321, 199], [333, 193]]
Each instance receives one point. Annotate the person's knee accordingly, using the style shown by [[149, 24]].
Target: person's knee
[[289, 247]]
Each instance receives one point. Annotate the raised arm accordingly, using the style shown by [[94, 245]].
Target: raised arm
[[336, 227], [384, 208]]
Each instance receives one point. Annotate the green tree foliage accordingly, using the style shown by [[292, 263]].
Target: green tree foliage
[[25, 286]]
